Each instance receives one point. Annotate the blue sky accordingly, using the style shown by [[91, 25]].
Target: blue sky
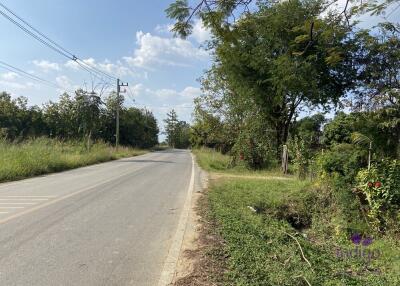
[[126, 38]]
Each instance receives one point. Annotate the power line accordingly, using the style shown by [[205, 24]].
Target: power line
[[31, 76], [393, 10], [34, 29], [33, 35], [51, 44]]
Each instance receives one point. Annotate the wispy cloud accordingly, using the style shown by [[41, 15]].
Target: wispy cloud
[[46, 66], [153, 51], [9, 76]]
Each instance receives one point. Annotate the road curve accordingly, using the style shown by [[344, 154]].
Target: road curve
[[106, 224]]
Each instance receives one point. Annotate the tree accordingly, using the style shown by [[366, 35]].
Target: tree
[[219, 16], [17, 120], [178, 132], [138, 128], [378, 61], [273, 62], [82, 117], [309, 130], [171, 127]]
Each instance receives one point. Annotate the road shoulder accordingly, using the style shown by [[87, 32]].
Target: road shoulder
[[187, 260]]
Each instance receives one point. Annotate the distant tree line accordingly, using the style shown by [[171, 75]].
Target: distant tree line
[[177, 131], [82, 116]]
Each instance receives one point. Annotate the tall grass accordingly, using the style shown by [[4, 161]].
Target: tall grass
[[40, 156]]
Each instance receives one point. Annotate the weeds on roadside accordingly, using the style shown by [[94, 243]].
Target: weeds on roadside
[[42, 155]]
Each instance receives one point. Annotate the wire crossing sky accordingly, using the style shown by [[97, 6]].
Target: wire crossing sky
[[55, 46]]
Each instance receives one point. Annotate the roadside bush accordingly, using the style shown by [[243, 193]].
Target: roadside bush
[[380, 187], [341, 163], [255, 151], [302, 157]]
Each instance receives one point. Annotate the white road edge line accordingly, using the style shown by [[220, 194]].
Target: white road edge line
[[167, 274]]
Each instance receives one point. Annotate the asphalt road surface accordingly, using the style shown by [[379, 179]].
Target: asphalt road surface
[[106, 224]]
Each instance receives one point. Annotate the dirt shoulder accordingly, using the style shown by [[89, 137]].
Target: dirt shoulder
[[194, 266]]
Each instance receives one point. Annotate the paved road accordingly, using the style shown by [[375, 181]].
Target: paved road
[[107, 224]]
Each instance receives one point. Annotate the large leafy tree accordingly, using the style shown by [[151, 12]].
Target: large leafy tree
[[279, 63], [378, 61], [219, 15]]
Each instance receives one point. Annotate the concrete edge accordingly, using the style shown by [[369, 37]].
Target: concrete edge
[[168, 272]]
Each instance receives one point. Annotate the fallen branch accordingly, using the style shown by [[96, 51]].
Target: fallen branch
[[301, 249], [305, 279]]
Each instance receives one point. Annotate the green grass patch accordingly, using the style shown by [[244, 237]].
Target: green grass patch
[[256, 219], [41, 156], [214, 161]]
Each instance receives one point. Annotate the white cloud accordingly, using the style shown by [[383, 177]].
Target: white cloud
[[169, 95], [17, 85], [137, 89], [115, 69], [200, 33], [166, 93], [10, 76], [65, 84], [163, 29], [155, 50], [191, 92], [46, 66]]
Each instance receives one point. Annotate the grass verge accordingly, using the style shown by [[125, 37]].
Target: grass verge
[[288, 232], [216, 162], [42, 156]]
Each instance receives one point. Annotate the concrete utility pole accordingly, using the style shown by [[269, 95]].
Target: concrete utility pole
[[119, 84]]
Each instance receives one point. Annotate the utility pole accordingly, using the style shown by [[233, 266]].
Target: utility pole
[[119, 84]]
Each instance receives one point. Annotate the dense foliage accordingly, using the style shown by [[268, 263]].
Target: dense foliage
[[80, 117], [380, 187], [178, 132]]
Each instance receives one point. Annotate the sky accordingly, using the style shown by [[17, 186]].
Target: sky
[[125, 38], [130, 39]]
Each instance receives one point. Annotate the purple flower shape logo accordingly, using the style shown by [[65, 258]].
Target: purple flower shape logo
[[356, 238], [367, 241]]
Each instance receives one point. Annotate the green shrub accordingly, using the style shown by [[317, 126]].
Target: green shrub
[[302, 157], [381, 188], [341, 163]]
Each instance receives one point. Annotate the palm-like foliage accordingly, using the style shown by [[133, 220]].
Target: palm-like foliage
[[362, 139]]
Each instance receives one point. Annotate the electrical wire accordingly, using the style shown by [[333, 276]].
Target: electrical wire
[[19, 71], [51, 44], [393, 10]]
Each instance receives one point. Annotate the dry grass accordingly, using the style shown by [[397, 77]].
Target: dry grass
[[43, 155]]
